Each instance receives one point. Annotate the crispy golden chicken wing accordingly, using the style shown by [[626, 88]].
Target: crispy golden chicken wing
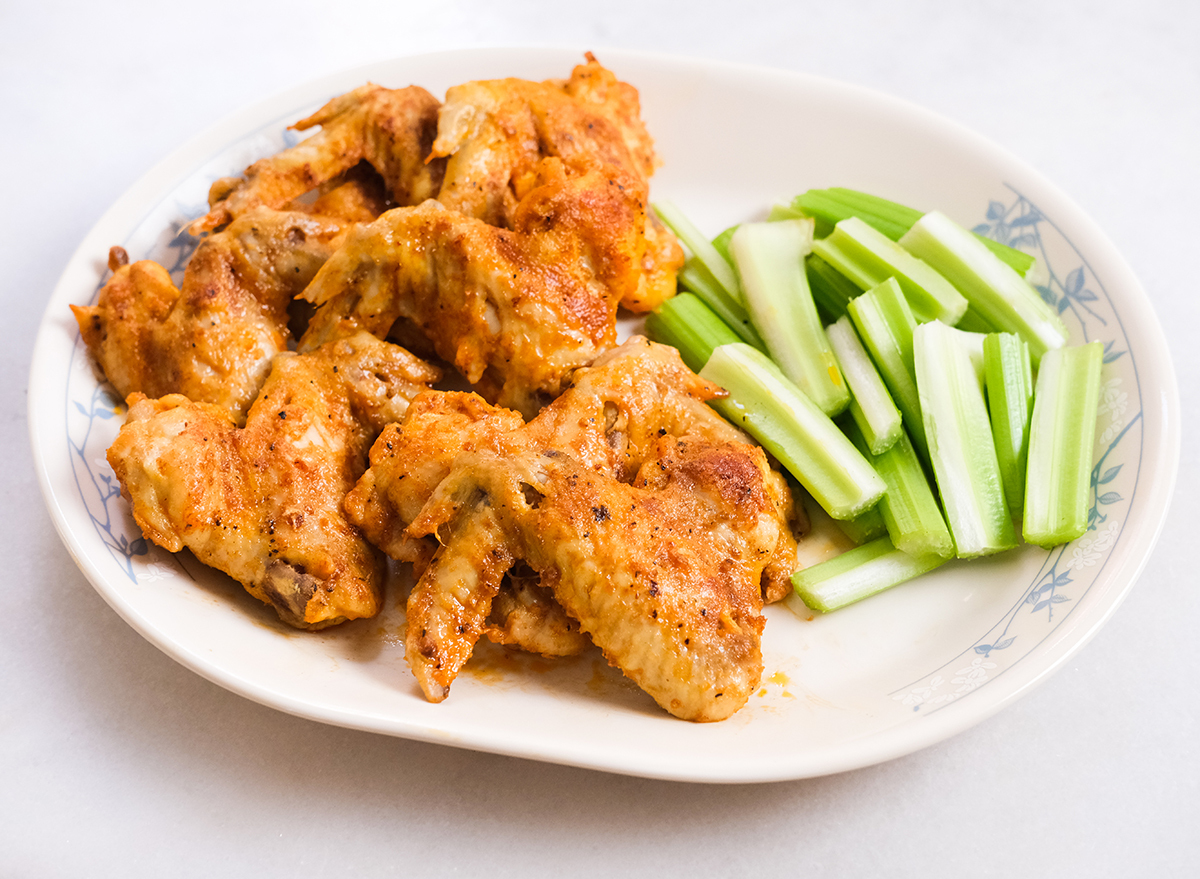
[[392, 129], [211, 339], [514, 310], [263, 503], [663, 575]]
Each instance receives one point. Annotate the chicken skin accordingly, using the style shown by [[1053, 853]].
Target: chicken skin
[[212, 338], [663, 575], [263, 503], [392, 129], [515, 310]]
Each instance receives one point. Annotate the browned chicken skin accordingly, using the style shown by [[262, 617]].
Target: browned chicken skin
[[610, 423], [211, 339], [663, 575], [263, 503], [514, 310]]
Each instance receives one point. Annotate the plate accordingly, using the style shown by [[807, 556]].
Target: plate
[[868, 683]]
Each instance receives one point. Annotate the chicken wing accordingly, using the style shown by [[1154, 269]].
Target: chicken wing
[[663, 575], [392, 129], [211, 339], [515, 310], [263, 503]]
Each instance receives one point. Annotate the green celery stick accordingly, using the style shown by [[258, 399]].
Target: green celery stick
[[783, 212], [1000, 295], [974, 322], [693, 239], [868, 258], [870, 406], [860, 573], [830, 206], [909, 507], [721, 243], [831, 290], [769, 407], [865, 527], [1061, 438], [686, 323], [769, 258], [1010, 401], [885, 324], [693, 276], [960, 442]]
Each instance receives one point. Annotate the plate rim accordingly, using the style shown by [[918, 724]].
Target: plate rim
[[1164, 446]]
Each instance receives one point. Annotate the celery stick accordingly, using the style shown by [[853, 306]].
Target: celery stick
[[960, 442], [830, 206], [770, 262], [885, 324], [859, 573], [867, 257], [1010, 402], [865, 527], [693, 276], [694, 240], [995, 291], [831, 290], [974, 322], [686, 323], [871, 406], [909, 509], [721, 243], [764, 403], [783, 212], [1061, 437]]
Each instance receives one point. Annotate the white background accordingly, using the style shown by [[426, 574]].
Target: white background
[[115, 761]]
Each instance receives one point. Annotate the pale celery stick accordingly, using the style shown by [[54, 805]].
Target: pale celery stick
[[858, 574], [769, 407], [686, 323], [769, 258], [865, 527], [1061, 438], [871, 406], [868, 258], [1000, 295], [960, 442], [909, 509], [1010, 402], [694, 240], [694, 277], [885, 323]]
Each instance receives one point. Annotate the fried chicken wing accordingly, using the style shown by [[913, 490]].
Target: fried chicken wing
[[263, 503], [392, 129], [211, 339], [663, 575], [515, 310]]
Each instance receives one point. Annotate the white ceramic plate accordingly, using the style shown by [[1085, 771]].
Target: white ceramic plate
[[871, 682]]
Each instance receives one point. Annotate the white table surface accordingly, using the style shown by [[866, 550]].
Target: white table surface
[[116, 761]]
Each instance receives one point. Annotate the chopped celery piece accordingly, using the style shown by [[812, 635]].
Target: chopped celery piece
[[685, 322], [974, 322], [867, 257], [1010, 402], [770, 262], [960, 442], [871, 406], [865, 527], [831, 290], [830, 206], [764, 403], [783, 212], [909, 509], [693, 276], [995, 291], [885, 324], [694, 240], [721, 243], [1061, 437], [859, 573]]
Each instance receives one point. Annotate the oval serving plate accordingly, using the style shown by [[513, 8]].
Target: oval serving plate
[[871, 682]]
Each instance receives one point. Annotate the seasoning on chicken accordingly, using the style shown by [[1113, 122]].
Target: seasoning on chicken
[[211, 339], [392, 129], [663, 575], [263, 503], [514, 310]]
